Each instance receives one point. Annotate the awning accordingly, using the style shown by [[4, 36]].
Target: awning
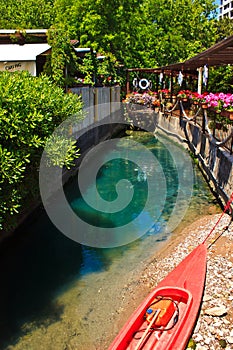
[[27, 52], [82, 49], [217, 55]]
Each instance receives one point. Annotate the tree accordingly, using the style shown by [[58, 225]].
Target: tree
[[220, 78], [177, 30], [148, 34], [106, 27], [26, 14], [224, 28], [138, 34]]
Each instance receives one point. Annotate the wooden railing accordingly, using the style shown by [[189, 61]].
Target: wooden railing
[[207, 119]]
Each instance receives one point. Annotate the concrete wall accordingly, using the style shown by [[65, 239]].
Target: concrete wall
[[101, 105], [215, 162], [99, 102]]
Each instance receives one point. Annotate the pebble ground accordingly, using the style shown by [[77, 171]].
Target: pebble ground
[[214, 328]]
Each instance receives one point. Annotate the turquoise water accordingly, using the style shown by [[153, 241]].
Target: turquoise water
[[109, 176], [56, 293]]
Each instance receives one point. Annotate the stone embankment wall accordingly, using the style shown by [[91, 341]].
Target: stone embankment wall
[[215, 162]]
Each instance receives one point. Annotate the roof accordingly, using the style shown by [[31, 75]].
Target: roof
[[13, 36], [27, 52], [82, 49], [29, 31], [217, 55], [74, 42]]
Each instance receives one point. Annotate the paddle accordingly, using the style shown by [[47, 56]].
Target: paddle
[[147, 329]]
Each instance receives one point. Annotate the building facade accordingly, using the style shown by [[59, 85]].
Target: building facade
[[225, 9], [30, 57]]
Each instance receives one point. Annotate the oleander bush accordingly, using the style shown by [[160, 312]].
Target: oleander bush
[[30, 109]]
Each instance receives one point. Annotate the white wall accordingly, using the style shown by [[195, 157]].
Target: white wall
[[30, 66]]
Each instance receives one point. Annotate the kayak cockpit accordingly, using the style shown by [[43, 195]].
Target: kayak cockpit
[[155, 324]]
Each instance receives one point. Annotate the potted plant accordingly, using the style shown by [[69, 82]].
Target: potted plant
[[195, 97], [221, 103], [165, 93], [184, 95], [228, 106], [156, 105], [228, 112], [219, 122], [203, 100], [169, 106]]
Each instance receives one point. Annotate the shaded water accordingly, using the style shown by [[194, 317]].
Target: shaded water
[[58, 294]]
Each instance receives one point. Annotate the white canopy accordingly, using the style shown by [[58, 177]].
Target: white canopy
[[26, 52]]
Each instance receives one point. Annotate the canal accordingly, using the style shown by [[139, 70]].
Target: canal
[[57, 293]]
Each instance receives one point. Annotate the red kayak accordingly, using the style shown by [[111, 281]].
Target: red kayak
[[166, 318]]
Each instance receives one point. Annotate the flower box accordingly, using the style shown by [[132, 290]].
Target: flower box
[[227, 114], [184, 95]]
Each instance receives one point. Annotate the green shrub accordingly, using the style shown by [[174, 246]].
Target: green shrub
[[30, 109]]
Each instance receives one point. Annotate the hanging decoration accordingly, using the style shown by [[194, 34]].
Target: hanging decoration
[[144, 84], [205, 75], [180, 78], [135, 82], [161, 77]]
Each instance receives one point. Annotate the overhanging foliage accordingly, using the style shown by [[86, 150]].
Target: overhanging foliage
[[30, 109]]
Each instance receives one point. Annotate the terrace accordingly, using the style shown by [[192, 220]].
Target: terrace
[[163, 89]]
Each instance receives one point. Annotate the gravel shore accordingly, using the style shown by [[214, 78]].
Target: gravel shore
[[214, 328]]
